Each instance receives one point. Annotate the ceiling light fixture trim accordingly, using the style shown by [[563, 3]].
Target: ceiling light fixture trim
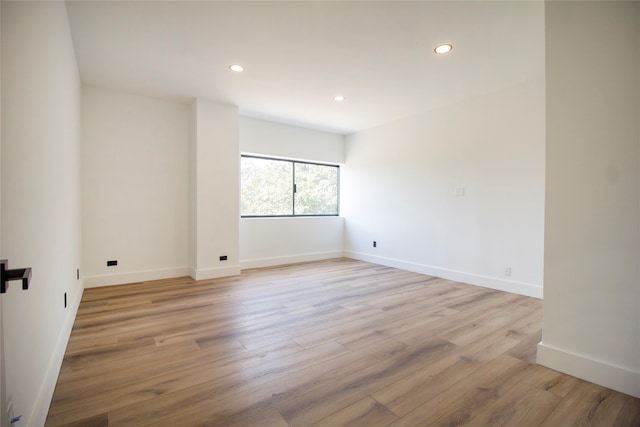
[[443, 48]]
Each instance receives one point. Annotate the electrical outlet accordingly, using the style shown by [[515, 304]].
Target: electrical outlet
[[375, 244], [65, 300], [112, 263], [77, 274], [507, 271], [223, 258]]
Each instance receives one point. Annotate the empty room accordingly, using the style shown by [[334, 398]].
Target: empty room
[[328, 213]]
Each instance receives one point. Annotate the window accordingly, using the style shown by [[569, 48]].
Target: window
[[276, 187]]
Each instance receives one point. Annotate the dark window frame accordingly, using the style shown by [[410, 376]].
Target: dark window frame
[[293, 177]]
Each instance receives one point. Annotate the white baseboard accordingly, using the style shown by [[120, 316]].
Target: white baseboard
[[290, 259], [164, 273], [458, 276], [41, 408], [601, 373], [213, 273], [135, 276]]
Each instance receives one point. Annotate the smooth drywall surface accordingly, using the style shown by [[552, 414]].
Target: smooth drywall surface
[[279, 140], [41, 209], [591, 323], [193, 189], [3, 402], [135, 188], [216, 157], [276, 241], [457, 192]]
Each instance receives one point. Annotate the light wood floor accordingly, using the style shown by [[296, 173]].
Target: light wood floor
[[331, 343]]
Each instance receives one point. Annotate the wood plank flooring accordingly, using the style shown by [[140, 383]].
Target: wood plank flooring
[[332, 343]]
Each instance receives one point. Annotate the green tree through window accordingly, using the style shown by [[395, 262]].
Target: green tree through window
[[276, 187]]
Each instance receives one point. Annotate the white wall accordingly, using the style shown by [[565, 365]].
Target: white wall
[[400, 181], [279, 140], [41, 209], [3, 402], [193, 188], [591, 324], [135, 187], [215, 190], [274, 241]]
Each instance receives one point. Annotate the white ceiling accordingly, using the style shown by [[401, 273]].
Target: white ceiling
[[298, 55]]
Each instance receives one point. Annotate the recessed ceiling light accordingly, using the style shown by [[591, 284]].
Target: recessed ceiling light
[[443, 48], [338, 98], [236, 68]]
